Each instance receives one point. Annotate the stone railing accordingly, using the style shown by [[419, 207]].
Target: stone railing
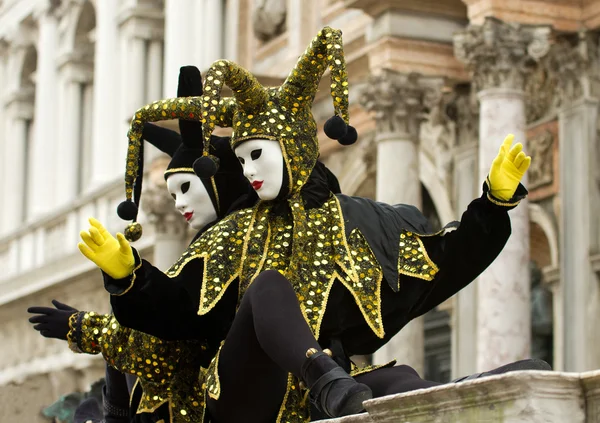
[[518, 397], [47, 248]]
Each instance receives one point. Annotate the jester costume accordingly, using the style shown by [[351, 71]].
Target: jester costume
[[360, 270]]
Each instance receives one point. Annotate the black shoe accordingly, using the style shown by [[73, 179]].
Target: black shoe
[[332, 391], [527, 364]]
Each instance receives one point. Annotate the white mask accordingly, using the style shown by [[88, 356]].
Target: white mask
[[262, 162], [191, 199]]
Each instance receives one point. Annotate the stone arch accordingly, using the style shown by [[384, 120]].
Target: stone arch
[[437, 189], [85, 24], [78, 21], [543, 237]]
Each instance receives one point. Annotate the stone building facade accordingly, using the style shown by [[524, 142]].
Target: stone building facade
[[435, 87]]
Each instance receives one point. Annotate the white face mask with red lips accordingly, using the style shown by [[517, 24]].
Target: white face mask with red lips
[[191, 199], [262, 162]]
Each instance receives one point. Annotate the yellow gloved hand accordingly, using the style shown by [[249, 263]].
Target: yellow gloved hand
[[113, 255], [507, 169]]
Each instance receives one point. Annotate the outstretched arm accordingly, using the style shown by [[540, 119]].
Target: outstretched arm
[[146, 299], [462, 255]]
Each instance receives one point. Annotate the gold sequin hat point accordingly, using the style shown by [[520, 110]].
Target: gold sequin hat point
[[282, 113]]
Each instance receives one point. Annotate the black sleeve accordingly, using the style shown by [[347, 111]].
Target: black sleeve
[[463, 254], [151, 302]]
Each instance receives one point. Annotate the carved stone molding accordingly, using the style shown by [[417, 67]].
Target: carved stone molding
[[399, 101], [438, 132], [574, 64], [540, 94], [500, 54], [463, 109], [540, 148], [269, 18]]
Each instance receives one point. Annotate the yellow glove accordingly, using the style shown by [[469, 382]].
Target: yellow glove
[[113, 255], [507, 169]]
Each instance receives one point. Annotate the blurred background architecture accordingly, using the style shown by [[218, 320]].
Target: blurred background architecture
[[435, 86]]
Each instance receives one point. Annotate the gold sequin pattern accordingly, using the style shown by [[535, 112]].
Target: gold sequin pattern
[[355, 370], [213, 385], [413, 259], [222, 247], [166, 369], [186, 108], [283, 113], [295, 407]]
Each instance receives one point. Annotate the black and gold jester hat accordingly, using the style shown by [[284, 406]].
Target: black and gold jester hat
[[282, 114]]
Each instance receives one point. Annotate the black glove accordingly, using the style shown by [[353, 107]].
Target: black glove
[[52, 322]]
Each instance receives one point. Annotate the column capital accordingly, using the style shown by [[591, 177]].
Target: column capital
[[399, 101], [50, 8], [158, 204], [501, 54], [142, 22], [20, 104], [574, 64], [77, 66]]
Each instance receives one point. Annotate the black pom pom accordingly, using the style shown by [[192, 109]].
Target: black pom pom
[[350, 137], [335, 128], [127, 210], [206, 166]]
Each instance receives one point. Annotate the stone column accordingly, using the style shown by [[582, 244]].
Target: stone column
[[155, 65], [169, 226], [212, 49], [107, 135], [3, 123], [141, 33], [70, 143], [396, 100], [575, 66], [232, 19], [180, 39], [498, 55], [466, 188], [44, 169], [154, 89], [20, 110]]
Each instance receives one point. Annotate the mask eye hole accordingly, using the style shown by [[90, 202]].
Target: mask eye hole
[[174, 197], [241, 159], [185, 187], [255, 154]]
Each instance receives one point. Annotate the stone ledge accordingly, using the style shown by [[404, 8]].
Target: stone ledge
[[517, 397]]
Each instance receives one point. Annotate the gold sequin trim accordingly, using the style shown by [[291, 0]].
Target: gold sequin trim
[[501, 203], [369, 368], [179, 170], [294, 407], [71, 342], [132, 279], [413, 259], [213, 385]]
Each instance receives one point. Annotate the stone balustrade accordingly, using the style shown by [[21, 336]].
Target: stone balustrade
[[44, 244], [518, 397]]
